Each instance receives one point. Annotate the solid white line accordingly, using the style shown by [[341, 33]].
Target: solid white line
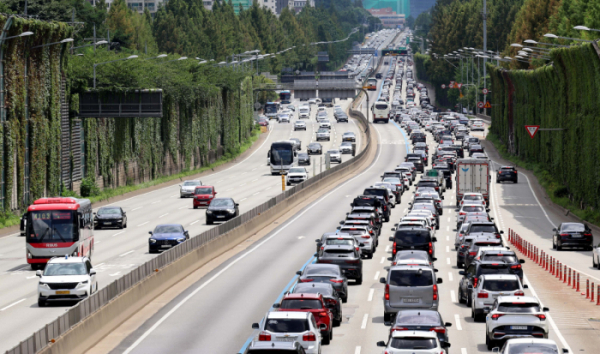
[[448, 260], [235, 261], [140, 225], [463, 350], [115, 274], [357, 350], [118, 233], [382, 260], [241, 200], [126, 253], [13, 304], [371, 292], [136, 208], [453, 296], [194, 222], [376, 276], [255, 194], [450, 276], [457, 319], [364, 321], [163, 215], [183, 207]]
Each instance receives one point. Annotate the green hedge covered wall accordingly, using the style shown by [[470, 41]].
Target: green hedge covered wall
[[565, 94]]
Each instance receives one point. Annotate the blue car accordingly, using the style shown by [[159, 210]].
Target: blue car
[[166, 236]]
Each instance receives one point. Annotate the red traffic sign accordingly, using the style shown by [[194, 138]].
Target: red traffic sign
[[451, 84], [485, 91], [532, 130], [480, 104], [487, 105], [443, 86], [459, 85]]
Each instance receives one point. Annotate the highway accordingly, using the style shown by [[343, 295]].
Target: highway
[[215, 313], [117, 252]]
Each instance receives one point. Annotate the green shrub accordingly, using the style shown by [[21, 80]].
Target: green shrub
[[89, 188]]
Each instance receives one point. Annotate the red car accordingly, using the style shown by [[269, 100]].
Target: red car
[[263, 122], [203, 195], [310, 303]]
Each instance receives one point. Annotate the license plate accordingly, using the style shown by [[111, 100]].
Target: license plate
[[521, 328], [108, 223], [63, 292], [576, 236], [286, 339], [411, 300], [220, 216], [166, 246]]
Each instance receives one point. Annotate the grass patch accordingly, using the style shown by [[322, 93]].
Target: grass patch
[[9, 219], [96, 195], [559, 194]]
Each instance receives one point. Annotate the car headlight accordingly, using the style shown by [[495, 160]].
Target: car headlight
[[45, 285], [82, 284], [181, 239], [209, 211], [152, 240], [231, 211]]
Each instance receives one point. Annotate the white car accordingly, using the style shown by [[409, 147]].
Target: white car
[[529, 345], [323, 134], [312, 101], [472, 198], [477, 125], [276, 325], [411, 342], [188, 188], [408, 257], [346, 148], [299, 125], [515, 317], [296, 175], [322, 116], [283, 118], [304, 112], [489, 288], [66, 278], [325, 124], [469, 207], [335, 156], [321, 109]]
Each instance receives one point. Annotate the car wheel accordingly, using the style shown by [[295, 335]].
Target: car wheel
[[41, 303], [209, 222], [461, 299], [594, 264], [387, 317], [359, 280], [553, 243], [469, 300]]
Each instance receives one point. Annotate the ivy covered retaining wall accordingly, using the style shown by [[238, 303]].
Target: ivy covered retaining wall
[[565, 94]]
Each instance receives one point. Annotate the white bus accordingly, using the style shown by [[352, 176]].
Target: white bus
[[381, 111]]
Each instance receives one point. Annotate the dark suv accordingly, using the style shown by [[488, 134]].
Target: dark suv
[[481, 241], [373, 201], [413, 238], [507, 257], [347, 257], [418, 162], [507, 173], [472, 274]]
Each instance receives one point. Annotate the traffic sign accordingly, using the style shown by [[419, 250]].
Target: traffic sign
[[487, 105], [480, 104], [461, 94], [485, 91], [459, 85], [451, 84], [443, 86], [532, 130]]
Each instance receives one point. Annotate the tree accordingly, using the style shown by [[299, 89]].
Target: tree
[[410, 22]]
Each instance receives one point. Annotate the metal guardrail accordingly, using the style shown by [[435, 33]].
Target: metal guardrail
[[40, 339]]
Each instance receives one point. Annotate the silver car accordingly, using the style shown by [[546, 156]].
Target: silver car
[[346, 148], [188, 187], [409, 287], [335, 156], [299, 125], [323, 134]]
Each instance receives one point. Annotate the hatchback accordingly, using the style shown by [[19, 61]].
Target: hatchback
[[291, 326]]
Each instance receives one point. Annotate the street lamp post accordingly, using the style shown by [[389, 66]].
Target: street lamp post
[[110, 61]]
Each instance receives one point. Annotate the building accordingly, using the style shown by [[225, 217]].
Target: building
[[208, 4], [298, 5], [398, 6], [419, 6], [141, 5], [388, 17]]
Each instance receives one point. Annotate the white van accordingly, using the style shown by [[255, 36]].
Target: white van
[[304, 112], [381, 111]]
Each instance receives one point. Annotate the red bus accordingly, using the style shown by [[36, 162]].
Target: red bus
[[57, 227]]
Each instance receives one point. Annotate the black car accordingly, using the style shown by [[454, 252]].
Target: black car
[[421, 320], [303, 159], [378, 76], [501, 256], [341, 117], [110, 216], [330, 296], [346, 256], [471, 277], [412, 238], [221, 209], [572, 234], [314, 148], [328, 274], [418, 162], [481, 241], [507, 173], [372, 201]]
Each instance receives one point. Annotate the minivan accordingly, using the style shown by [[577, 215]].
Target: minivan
[[409, 287], [413, 238]]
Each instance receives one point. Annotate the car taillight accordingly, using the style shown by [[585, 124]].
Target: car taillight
[[371, 232], [462, 213], [587, 235], [394, 248], [306, 280], [435, 292], [336, 281], [264, 337], [437, 188], [472, 253], [516, 266], [475, 280], [357, 248], [564, 235], [498, 236], [519, 293], [365, 236], [323, 314], [483, 295], [399, 329], [324, 261], [541, 317], [387, 291], [496, 316], [309, 337], [438, 329], [430, 248], [322, 248]]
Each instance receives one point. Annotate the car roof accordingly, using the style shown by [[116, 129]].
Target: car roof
[[499, 276], [68, 259], [424, 334], [287, 314], [529, 341], [411, 267], [526, 299], [302, 296]]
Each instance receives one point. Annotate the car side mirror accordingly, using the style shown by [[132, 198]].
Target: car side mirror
[[38, 273], [546, 309], [434, 239], [487, 309], [442, 197], [315, 254], [299, 272], [554, 229], [502, 231], [237, 205], [339, 227], [92, 271], [448, 324], [255, 326], [440, 280], [393, 229], [462, 272], [318, 241], [435, 270], [496, 350], [350, 206], [94, 213], [342, 222], [276, 306], [521, 261], [525, 286], [382, 280], [391, 238], [565, 350], [150, 232], [457, 209], [381, 343], [454, 230], [444, 344]]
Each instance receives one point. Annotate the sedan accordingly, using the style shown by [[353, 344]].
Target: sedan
[[425, 320], [507, 173], [349, 136], [263, 122], [303, 159], [283, 118], [335, 156], [110, 216], [166, 236], [314, 148], [325, 273], [299, 125], [221, 209], [323, 134], [188, 187], [346, 148], [572, 234]]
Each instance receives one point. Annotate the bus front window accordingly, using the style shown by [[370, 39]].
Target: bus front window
[[282, 156], [51, 226]]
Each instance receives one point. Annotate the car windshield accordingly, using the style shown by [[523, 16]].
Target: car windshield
[[494, 269], [109, 211], [498, 257], [322, 271], [204, 190], [483, 228], [56, 269], [192, 183], [473, 208], [51, 226], [222, 203], [418, 318], [376, 191], [412, 255], [413, 343], [296, 170], [301, 304], [346, 144], [519, 307], [472, 197], [501, 285], [322, 130], [411, 277], [339, 242], [168, 229], [333, 152], [537, 348], [287, 325], [573, 227], [411, 237]]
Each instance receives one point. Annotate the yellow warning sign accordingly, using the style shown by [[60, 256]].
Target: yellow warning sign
[[461, 95], [487, 105]]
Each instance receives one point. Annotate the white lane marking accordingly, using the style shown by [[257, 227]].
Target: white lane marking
[[241, 200], [13, 304], [230, 189], [268, 188], [98, 265], [194, 222], [447, 238], [254, 180], [449, 219], [256, 193], [447, 228], [243, 173], [118, 233], [453, 296], [448, 260], [126, 253], [450, 278], [364, 321], [31, 277], [405, 210], [376, 276], [300, 237], [357, 350], [155, 202], [96, 242], [183, 207], [234, 262], [163, 215], [463, 350], [115, 274], [371, 292], [136, 208], [382, 260], [243, 184], [387, 248], [457, 319], [140, 225], [254, 169], [447, 248]]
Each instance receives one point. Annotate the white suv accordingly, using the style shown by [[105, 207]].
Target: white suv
[[489, 288], [291, 326], [66, 278], [409, 342], [515, 317]]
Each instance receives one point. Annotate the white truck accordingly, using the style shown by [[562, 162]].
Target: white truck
[[472, 176]]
